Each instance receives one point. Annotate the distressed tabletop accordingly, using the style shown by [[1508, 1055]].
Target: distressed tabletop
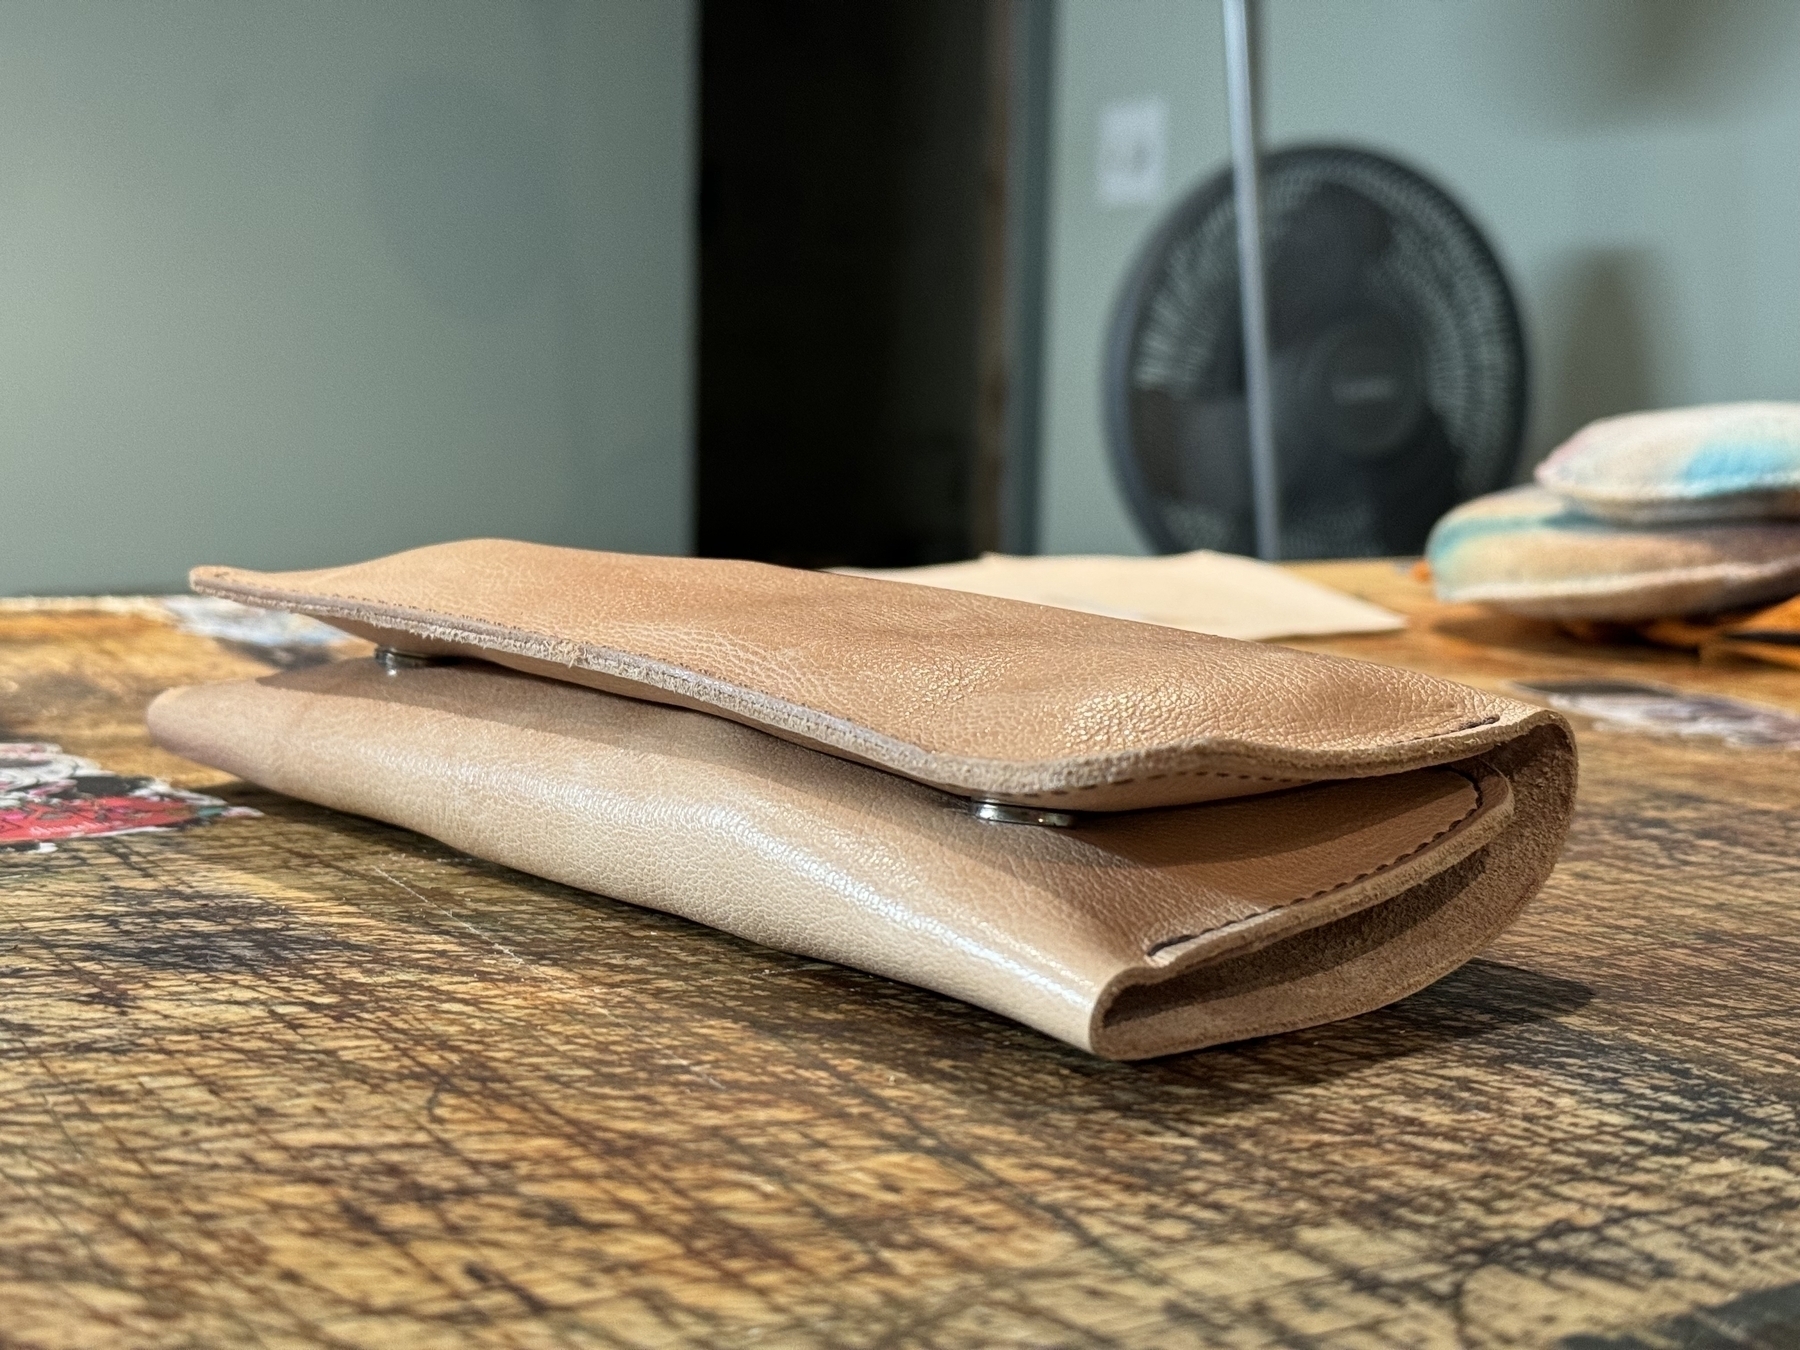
[[307, 1080]]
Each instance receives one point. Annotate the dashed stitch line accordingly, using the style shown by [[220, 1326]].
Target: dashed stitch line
[[1414, 852], [1172, 773]]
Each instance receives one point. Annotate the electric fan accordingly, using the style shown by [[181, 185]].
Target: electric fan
[[1396, 362]]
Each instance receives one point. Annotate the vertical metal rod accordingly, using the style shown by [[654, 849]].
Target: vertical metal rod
[[1031, 41], [1265, 478]]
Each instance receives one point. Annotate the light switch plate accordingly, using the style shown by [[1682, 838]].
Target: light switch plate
[[1133, 162]]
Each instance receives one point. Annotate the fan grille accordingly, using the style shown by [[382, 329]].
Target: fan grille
[[1175, 364]]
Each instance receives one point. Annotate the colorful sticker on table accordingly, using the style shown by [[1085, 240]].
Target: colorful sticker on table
[[47, 795]]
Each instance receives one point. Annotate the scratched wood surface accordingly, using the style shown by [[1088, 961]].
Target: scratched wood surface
[[306, 1080]]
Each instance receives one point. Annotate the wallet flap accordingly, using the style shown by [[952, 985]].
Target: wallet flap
[[979, 696]]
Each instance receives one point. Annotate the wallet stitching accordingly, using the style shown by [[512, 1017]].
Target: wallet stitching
[[1487, 721], [1340, 886], [1395, 862], [1172, 773]]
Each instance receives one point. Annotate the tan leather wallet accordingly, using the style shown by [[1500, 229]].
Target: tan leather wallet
[[1137, 839]]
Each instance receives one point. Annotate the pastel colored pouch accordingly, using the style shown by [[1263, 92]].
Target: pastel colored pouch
[[1528, 551], [1726, 461], [1135, 838]]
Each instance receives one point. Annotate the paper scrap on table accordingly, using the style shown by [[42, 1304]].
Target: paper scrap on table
[[210, 616], [204, 615], [1204, 592], [1627, 705]]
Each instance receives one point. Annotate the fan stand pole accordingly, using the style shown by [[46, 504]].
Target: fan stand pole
[[1265, 481]]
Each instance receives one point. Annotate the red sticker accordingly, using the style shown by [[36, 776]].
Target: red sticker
[[46, 795]]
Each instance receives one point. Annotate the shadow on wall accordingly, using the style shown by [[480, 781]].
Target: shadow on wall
[[1609, 62], [1598, 363]]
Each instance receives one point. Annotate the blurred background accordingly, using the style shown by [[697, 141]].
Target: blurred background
[[285, 286]]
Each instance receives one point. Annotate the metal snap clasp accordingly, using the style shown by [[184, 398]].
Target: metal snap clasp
[[1006, 813], [393, 660]]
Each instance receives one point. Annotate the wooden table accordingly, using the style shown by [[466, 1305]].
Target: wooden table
[[308, 1080]]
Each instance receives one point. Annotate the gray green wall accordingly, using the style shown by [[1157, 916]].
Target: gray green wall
[[1636, 163], [293, 284]]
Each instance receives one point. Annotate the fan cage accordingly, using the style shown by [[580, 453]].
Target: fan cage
[[1177, 326]]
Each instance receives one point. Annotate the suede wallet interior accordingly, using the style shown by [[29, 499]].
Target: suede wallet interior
[[1137, 839]]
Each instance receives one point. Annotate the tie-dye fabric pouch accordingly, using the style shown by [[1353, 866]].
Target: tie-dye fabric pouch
[[1530, 552], [1729, 461]]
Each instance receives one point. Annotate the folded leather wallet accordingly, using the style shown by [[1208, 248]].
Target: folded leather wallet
[[1137, 839]]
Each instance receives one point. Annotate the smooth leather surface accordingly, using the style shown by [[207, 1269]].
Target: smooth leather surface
[[1131, 935], [968, 693]]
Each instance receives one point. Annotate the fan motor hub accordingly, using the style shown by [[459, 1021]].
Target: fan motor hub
[[1360, 389]]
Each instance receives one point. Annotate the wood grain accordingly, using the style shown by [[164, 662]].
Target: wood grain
[[311, 1081]]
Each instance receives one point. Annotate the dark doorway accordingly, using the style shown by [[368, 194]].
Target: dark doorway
[[848, 242]]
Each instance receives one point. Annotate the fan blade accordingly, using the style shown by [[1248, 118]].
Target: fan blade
[[1212, 455], [1317, 260]]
